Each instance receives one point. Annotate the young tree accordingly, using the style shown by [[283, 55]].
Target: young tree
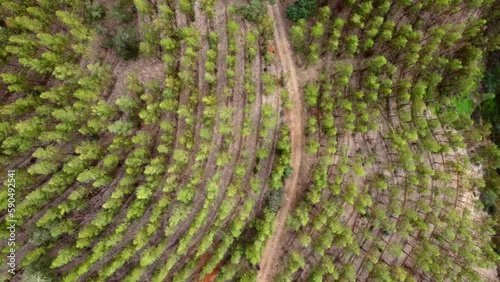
[[64, 257], [298, 35], [301, 9], [252, 11], [352, 44], [317, 31], [336, 33], [311, 93]]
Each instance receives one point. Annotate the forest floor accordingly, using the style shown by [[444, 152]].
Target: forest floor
[[294, 118]]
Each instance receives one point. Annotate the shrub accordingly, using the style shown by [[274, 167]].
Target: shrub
[[38, 271], [126, 43], [301, 9], [275, 199]]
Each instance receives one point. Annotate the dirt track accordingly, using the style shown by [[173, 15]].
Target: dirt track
[[294, 119]]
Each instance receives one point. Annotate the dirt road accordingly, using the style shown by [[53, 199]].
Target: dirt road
[[294, 118]]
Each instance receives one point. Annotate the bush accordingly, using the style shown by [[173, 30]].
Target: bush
[[126, 44], [39, 270], [252, 11], [301, 9], [489, 198]]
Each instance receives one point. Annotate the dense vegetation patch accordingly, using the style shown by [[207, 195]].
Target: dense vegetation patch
[[301, 9]]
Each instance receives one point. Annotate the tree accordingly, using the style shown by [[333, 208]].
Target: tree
[[126, 43], [121, 127], [295, 262], [252, 11], [301, 9], [266, 27], [77, 27], [333, 41], [127, 105], [376, 63], [43, 167], [15, 82], [352, 44], [297, 35], [143, 7], [324, 14], [89, 151], [373, 26], [357, 20], [350, 193], [64, 257], [387, 30], [311, 92], [313, 55], [348, 273], [186, 7], [251, 39], [312, 146], [367, 44], [344, 71], [381, 272]]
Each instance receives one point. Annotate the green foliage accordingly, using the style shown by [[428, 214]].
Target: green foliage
[[464, 105], [123, 12], [186, 7], [311, 93], [77, 28], [317, 31], [143, 7], [406, 71], [95, 10], [252, 11], [298, 35], [490, 108], [352, 44], [301, 9], [126, 43], [64, 256], [38, 271]]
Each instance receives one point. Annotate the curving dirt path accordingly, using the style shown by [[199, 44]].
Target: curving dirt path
[[294, 119]]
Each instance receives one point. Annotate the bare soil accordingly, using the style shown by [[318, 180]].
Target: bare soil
[[294, 119]]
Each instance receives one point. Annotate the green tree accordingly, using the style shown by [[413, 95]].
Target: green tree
[[297, 35], [313, 53], [301, 9], [324, 14], [348, 273], [64, 257], [311, 93], [143, 7], [352, 44], [126, 43], [186, 7], [336, 33], [252, 11], [317, 31]]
